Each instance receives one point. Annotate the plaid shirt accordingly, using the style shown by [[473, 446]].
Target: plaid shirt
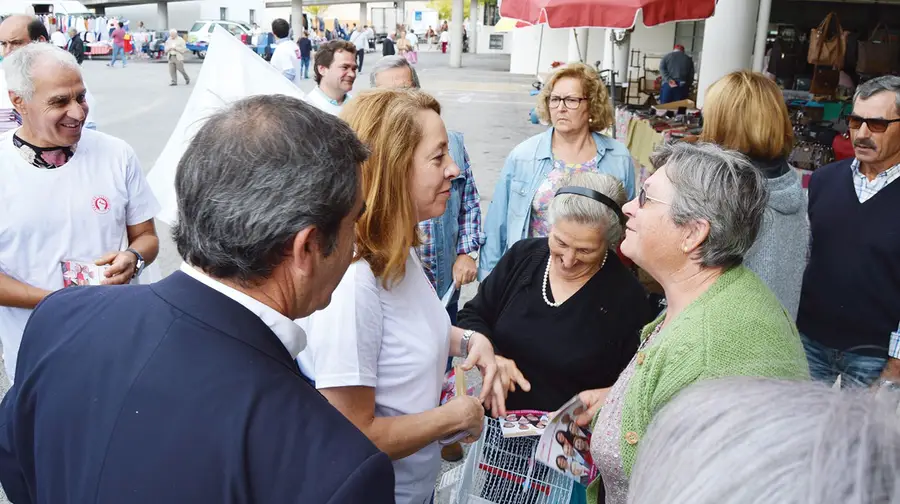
[[866, 189], [471, 235]]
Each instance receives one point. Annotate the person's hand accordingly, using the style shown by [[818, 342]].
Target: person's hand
[[481, 354], [464, 270], [672, 83], [122, 266], [468, 413], [510, 376], [592, 400]]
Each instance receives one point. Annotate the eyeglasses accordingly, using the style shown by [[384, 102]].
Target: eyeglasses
[[572, 102], [642, 198], [876, 125]]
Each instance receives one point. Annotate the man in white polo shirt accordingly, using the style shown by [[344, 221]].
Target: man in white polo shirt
[[57, 206], [360, 40], [335, 69], [286, 58]]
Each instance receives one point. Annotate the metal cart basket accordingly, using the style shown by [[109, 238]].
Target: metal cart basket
[[502, 470]]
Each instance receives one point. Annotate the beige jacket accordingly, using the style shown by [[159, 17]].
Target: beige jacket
[[177, 47]]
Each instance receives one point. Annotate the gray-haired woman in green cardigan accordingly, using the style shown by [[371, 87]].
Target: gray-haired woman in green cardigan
[[689, 228]]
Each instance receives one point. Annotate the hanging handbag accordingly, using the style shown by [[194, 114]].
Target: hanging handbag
[[828, 43], [824, 81], [842, 147], [875, 53]]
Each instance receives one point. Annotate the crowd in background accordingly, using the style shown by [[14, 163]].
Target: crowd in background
[[300, 351]]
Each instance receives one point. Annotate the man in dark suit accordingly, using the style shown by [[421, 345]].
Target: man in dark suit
[[186, 391], [75, 45]]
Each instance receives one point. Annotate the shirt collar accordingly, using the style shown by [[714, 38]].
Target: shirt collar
[[854, 166], [330, 99], [290, 334]]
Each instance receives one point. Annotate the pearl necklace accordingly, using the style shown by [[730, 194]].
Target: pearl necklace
[[547, 279]]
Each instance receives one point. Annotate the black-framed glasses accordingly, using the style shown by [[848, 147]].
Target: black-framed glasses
[[875, 124], [642, 198], [571, 102]]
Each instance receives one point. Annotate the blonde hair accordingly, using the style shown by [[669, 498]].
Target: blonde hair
[[745, 111], [600, 109], [386, 121]]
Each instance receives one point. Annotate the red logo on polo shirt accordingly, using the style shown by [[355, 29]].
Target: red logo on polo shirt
[[100, 204]]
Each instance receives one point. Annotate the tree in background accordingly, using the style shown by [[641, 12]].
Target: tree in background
[[445, 7], [316, 10]]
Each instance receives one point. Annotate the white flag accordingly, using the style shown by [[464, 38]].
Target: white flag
[[230, 72]]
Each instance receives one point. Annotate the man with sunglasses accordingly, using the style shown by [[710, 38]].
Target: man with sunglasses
[[850, 302], [17, 32]]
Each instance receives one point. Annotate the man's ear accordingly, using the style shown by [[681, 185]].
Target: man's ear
[[305, 250], [18, 102]]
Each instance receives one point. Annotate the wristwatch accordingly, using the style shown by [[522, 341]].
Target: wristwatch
[[464, 343], [139, 266]]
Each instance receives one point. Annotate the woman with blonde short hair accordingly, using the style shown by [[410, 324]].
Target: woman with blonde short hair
[[745, 111], [378, 352], [576, 104]]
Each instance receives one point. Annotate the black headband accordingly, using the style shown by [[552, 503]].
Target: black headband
[[596, 196]]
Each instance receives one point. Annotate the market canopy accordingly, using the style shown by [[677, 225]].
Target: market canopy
[[604, 13]]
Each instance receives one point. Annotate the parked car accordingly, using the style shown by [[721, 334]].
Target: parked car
[[201, 32]]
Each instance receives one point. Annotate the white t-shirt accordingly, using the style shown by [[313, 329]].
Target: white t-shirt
[[396, 341], [317, 98], [360, 39], [413, 41], [77, 211], [287, 57], [445, 36]]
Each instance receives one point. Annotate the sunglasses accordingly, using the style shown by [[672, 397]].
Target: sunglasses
[[875, 125], [642, 198]]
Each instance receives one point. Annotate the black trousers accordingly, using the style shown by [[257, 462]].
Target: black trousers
[[360, 56]]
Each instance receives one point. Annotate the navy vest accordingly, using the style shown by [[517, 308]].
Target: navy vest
[[851, 289]]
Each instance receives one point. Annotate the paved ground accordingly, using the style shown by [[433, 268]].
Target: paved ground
[[482, 100]]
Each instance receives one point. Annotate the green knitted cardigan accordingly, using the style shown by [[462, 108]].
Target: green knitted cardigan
[[736, 328]]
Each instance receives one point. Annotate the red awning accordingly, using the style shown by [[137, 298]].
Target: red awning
[[604, 13]]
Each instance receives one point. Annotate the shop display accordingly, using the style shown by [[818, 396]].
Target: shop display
[[877, 55], [828, 43]]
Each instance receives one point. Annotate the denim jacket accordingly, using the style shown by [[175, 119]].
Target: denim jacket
[[445, 230], [526, 168]]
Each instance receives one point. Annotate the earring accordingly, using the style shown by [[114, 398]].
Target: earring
[[590, 120], [685, 250]]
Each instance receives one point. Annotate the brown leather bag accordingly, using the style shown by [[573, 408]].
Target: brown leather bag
[[825, 81], [875, 54], [828, 43]]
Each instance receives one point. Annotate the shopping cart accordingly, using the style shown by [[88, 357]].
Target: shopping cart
[[502, 470]]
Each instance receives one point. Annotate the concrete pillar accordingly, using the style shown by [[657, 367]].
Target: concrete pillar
[[727, 42], [473, 27], [456, 33], [297, 17], [363, 14], [578, 44], [401, 13], [762, 31], [162, 15]]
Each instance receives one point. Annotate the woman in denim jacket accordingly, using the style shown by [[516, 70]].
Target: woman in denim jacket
[[575, 102]]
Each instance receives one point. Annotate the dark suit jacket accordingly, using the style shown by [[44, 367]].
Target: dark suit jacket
[[76, 47], [172, 393]]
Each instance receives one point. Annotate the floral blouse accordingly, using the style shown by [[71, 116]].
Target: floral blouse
[[561, 171]]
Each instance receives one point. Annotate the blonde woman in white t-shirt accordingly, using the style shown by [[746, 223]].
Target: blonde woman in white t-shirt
[[378, 352]]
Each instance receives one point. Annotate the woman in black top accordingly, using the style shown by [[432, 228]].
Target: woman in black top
[[563, 312]]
